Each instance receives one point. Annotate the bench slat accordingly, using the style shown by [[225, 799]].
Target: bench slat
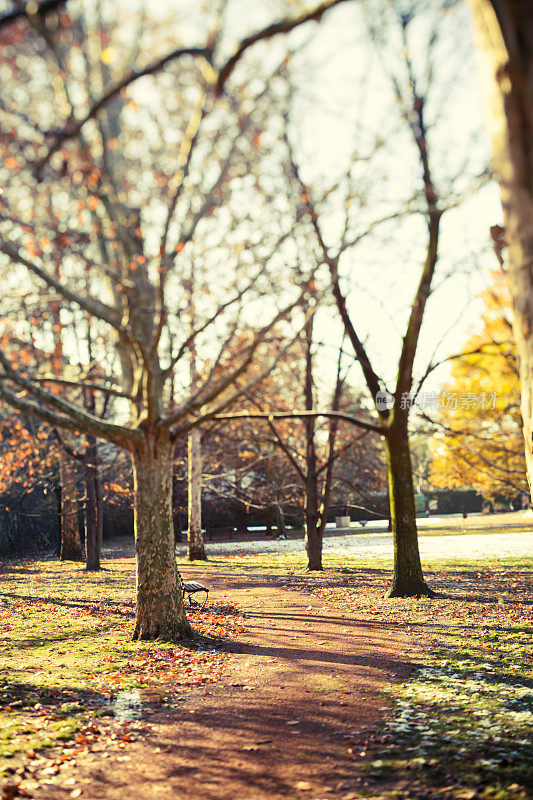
[[194, 586]]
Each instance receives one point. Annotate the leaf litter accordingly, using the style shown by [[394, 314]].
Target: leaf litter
[[462, 727], [67, 657]]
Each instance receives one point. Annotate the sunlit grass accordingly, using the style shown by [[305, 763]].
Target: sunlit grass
[[296, 561], [67, 648]]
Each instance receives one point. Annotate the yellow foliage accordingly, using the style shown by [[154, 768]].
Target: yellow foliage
[[481, 444]]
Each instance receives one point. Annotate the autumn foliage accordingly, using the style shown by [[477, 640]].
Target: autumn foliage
[[480, 441]]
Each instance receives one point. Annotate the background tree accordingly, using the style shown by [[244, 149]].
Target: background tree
[[412, 80], [285, 454], [479, 427]]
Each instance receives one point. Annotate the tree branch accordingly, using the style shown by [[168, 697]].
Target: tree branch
[[79, 419], [26, 10], [98, 387], [372, 380], [339, 415], [282, 26], [89, 304], [73, 130]]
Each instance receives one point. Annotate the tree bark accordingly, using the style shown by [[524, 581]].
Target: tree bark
[[71, 549], [407, 579], [313, 534], [279, 520], [93, 540], [313, 528], [241, 518], [195, 548], [316, 539], [160, 610], [99, 512], [504, 31]]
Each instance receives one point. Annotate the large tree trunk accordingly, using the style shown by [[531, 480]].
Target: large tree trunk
[[196, 549], [407, 579], [71, 549], [505, 44], [93, 540], [160, 611]]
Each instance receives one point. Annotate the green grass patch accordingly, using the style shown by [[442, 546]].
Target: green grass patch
[[329, 685]]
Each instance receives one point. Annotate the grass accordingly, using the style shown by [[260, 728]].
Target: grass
[[463, 723], [67, 650], [329, 685], [295, 561], [462, 727]]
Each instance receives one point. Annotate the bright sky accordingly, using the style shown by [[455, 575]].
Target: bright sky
[[342, 103], [341, 95]]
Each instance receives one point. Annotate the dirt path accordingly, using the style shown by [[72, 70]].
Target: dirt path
[[303, 685]]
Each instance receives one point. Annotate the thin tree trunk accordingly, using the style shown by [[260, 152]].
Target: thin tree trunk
[[280, 521], [160, 611], [313, 528], [505, 45], [241, 518], [99, 512], [71, 549], [195, 548], [313, 534], [407, 579], [57, 493], [325, 492], [92, 538]]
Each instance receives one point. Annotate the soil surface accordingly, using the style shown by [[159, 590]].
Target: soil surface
[[302, 685]]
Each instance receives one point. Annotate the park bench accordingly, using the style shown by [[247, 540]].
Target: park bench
[[192, 587], [227, 531]]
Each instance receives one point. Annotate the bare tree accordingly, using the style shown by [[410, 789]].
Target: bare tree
[[129, 233], [412, 86]]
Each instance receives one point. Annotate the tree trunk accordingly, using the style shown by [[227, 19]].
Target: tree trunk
[[505, 43], [92, 538], [71, 549], [407, 579], [57, 492], [313, 534], [99, 512], [313, 528], [160, 611], [196, 549], [241, 518], [280, 521]]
